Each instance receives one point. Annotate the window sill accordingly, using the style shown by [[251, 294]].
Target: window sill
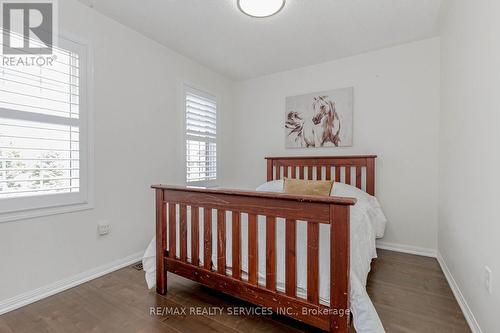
[[202, 185], [205, 184], [34, 213]]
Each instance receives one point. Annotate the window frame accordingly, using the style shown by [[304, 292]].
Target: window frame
[[194, 89], [12, 209]]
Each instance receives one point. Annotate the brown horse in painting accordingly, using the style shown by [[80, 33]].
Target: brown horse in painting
[[323, 127]]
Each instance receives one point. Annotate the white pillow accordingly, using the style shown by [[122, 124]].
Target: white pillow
[[272, 186]]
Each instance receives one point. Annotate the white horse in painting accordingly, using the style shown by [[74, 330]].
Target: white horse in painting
[[322, 127]]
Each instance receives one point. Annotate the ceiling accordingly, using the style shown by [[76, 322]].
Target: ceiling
[[216, 34]]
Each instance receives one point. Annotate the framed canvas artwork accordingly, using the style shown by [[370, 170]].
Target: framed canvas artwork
[[322, 119]]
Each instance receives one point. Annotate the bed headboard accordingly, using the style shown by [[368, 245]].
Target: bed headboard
[[353, 170]]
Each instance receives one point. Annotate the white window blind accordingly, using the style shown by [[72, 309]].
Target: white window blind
[[201, 137], [41, 132]]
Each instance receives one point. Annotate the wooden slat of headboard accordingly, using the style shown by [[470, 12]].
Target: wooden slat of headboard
[[360, 162]]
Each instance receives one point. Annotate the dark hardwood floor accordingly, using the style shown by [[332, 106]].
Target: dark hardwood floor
[[410, 293]]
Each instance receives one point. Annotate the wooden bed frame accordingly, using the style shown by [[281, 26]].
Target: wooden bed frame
[[355, 170]]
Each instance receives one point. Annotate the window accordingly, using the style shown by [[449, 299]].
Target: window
[[201, 138], [43, 132]]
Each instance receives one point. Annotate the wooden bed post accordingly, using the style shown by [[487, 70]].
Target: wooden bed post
[[339, 268], [270, 173], [161, 242], [370, 175]]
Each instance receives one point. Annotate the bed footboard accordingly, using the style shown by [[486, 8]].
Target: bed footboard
[[313, 210]]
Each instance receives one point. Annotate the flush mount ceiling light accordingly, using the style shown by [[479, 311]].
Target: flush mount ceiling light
[[260, 8]]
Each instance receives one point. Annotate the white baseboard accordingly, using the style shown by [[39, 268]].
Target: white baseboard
[[420, 251], [59, 286], [469, 316]]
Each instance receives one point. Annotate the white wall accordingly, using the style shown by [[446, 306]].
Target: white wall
[[138, 142], [396, 117], [469, 219]]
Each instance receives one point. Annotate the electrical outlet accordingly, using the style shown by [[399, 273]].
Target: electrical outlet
[[103, 228], [488, 279]]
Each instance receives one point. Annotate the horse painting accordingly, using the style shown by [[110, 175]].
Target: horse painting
[[315, 122]]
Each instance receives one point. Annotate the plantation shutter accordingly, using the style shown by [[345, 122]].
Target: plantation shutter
[[201, 137], [40, 127]]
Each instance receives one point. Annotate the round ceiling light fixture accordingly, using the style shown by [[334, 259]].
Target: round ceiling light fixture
[[260, 8]]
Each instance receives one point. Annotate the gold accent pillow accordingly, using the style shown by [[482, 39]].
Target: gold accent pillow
[[307, 187]]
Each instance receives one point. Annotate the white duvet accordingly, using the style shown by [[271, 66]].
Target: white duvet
[[367, 224]]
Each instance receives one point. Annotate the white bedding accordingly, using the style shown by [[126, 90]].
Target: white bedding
[[367, 224]]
